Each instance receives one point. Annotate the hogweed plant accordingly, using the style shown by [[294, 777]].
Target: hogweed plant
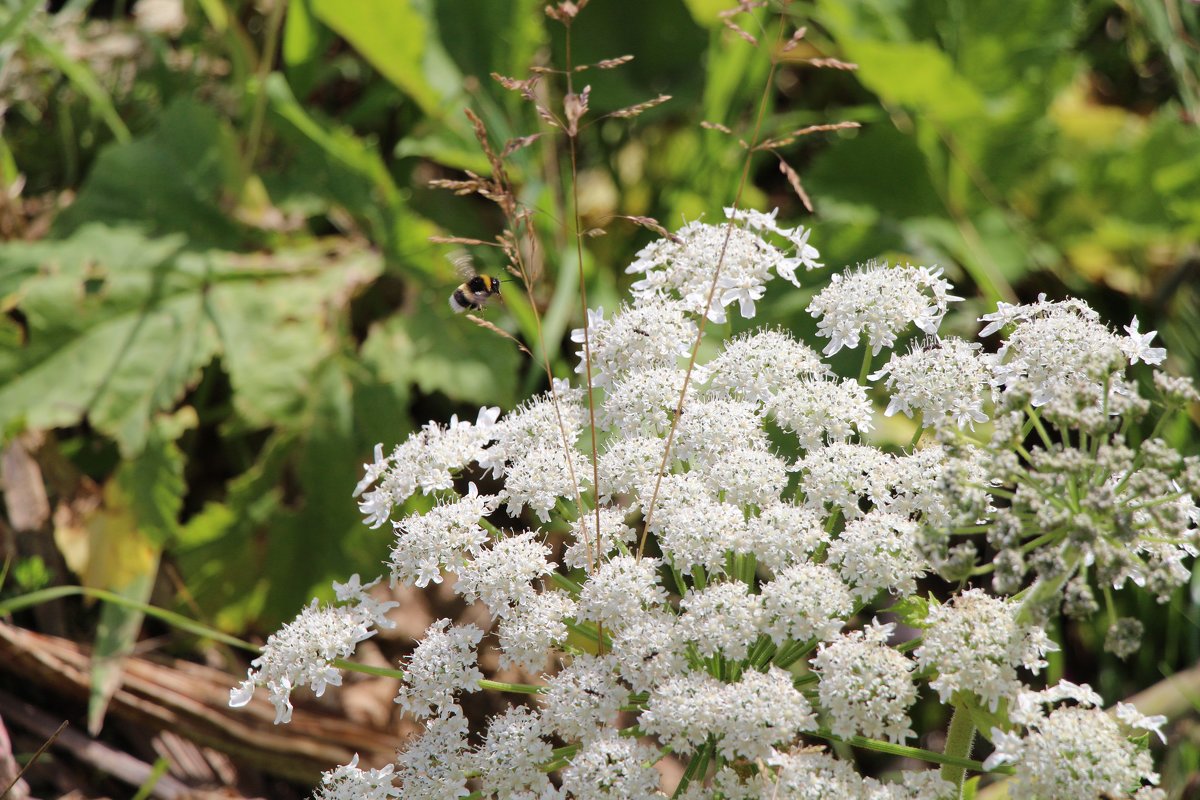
[[712, 563], [738, 610]]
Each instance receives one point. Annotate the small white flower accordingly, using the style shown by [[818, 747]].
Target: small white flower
[[820, 410], [635, 339], [427, 461], [348, 782], [975, 644], [765, 710], [722, 618], [502, 575], [880, 302], [878, 552], [583, 699], [513, 751], [866, 686], [540, 476], [945, 383], [442, 665], [1072, 752], [444, 537], [648, 649], [529, 634], [435, 766], [685, 267], [612, 766], [753, 365], [619, 590], [805, 601], [683, 710], [1138, 347], [692, 527], [302, 652]]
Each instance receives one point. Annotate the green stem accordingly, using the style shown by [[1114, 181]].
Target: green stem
[[917, 420], [905, 751], [866, 364], [960, 736], [15, 604]]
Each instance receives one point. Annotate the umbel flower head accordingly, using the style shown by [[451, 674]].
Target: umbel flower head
[[726, 555]]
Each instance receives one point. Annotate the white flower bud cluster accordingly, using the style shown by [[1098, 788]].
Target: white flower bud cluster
[[719, 596]]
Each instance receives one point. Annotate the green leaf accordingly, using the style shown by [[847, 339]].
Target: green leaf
[[153, 481], [120, 327], [173, 180], [141, 514], [117, 331], [912, 611], [218, 548], [397, 37], [277, 330], [77, 71], [121, 559], [917, 75], [441, 352]]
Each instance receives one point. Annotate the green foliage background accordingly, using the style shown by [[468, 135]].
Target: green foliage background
[[220, 291]]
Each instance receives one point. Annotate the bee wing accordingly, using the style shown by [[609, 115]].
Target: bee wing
[[464, 265]]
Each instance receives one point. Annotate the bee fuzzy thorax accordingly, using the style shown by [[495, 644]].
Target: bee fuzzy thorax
[[473, 294]]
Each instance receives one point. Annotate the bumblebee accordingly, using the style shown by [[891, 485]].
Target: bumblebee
[[475, 290]]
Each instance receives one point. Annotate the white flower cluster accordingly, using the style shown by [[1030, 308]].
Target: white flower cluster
[[1075, 750], [717, 596], [302, 652]]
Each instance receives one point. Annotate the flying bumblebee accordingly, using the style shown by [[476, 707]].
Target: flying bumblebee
[[475, 290]]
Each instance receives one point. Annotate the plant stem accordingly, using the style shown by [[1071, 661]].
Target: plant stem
[[960, 736], [866, 366]]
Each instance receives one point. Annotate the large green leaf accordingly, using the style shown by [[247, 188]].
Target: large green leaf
[[176, 179], [442, 353], [140, 515], [116, 331], [398, 38], [119, 327]]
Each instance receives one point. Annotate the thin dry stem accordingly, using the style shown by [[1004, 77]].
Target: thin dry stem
[[638, 108], [593, 555], [650, 223], [461, 240], [712, 290], [483, 323], [832, 63], [793, 178], [499, 190], [784, 141]]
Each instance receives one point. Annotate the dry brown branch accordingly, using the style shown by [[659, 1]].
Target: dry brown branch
[[831, 63], [795, 40], [461, 240], [483, 323], [610, 63], [513, 145], [481, 135], [193, 701], [634, 110], [651, 224], [574, 107], [783, 141], [794, 179]]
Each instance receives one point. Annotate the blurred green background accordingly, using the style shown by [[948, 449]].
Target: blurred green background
[[219, 290]]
